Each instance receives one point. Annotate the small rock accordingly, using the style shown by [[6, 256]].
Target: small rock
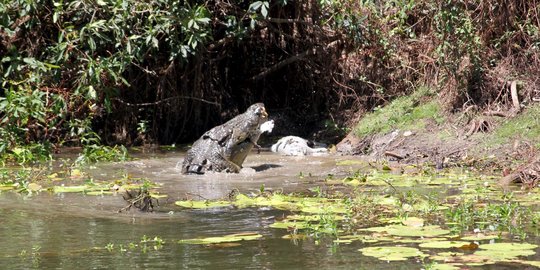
[[407, 133]]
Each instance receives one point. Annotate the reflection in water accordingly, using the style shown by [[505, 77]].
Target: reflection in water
[[76, 231]]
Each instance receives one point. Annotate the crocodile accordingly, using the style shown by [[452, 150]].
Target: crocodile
[[224, 148]]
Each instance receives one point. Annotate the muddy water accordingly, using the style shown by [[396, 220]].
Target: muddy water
[[72, 231], [77, 231]]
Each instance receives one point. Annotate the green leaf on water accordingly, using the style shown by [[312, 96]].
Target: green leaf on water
[[222, 239], [444, 244], [100, 192], [417, 240], [286, 224], [7, 187], [158, 196], [392, 253], [489, 253], [83, 188], [349, 162], [312, 217], [480, 236], [401, 230], [508, 246], [343, 241], [413, 222], [450, 257], [500, 255], [202, 204]]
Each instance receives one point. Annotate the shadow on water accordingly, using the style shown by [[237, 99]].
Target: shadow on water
[[265, 167]]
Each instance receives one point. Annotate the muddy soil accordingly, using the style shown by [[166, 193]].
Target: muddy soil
[[448, 146]]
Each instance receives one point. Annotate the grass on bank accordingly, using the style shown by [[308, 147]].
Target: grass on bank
[[405, 113], [525, 126], [414, 111]]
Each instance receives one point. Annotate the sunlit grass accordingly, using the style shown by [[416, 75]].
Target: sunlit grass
[[405, 113], [524, 126]]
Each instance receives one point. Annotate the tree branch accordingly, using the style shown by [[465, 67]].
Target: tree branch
[[164, 100], [291, 60]]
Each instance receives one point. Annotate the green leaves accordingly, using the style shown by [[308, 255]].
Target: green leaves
[[196, 26], [90, 50], [260, 6]]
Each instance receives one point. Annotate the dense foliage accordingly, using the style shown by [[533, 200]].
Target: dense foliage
[[87, 72]]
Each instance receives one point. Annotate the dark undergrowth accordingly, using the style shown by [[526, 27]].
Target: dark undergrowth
[[87, 73]]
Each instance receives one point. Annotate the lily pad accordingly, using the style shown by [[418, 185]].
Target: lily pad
[[158, 196], [76, 189], [413, 222], [509, 246], [202, 204], [312, 217], [501, 255], [417, 240], [392, 253], [349, 162], [506, 251], [489, 254], [444, 244], [469, 259], [222, 239], [343, 241], [289, 224], [480, 236], [278, 201], [401, 230], [6, 187]]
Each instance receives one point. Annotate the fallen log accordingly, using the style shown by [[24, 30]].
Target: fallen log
[[394, 155]]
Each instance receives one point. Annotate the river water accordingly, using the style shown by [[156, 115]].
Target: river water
[[71, 230], [77, 231]]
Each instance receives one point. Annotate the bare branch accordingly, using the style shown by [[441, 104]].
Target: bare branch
[[291, 60], [164, 100]]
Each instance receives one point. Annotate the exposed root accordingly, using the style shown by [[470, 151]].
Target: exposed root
[[394, 155], [479, 125], [514, 94], [528, 175], [140, 199]]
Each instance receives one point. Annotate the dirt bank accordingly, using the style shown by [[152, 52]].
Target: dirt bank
[[505, 146]]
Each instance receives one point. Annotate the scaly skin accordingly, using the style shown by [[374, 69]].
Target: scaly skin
[[225, 147]]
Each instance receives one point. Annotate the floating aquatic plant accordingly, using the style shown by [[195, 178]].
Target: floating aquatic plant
[[222, 239], [402, 230], [444, 244], [392, 253], [202, 204]]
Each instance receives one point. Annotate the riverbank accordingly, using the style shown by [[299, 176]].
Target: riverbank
[[416, 129]]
